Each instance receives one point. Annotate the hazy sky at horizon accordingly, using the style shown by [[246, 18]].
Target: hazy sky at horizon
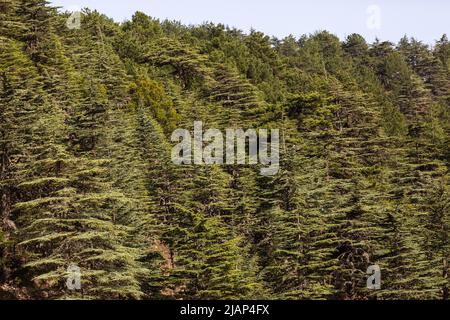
[[424, 20]]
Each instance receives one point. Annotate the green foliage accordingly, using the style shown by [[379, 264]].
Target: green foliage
[[150, 94], [86, 175]]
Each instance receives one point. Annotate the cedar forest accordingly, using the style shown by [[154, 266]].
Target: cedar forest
[[86, 176]]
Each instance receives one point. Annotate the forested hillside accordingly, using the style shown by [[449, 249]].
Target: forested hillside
[[86, 117]]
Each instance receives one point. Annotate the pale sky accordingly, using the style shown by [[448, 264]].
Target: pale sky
[[426, 20]]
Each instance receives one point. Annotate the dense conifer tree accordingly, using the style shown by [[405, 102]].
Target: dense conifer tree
[[86, 177]]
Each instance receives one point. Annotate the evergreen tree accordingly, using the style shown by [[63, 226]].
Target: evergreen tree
[[86, 176]]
